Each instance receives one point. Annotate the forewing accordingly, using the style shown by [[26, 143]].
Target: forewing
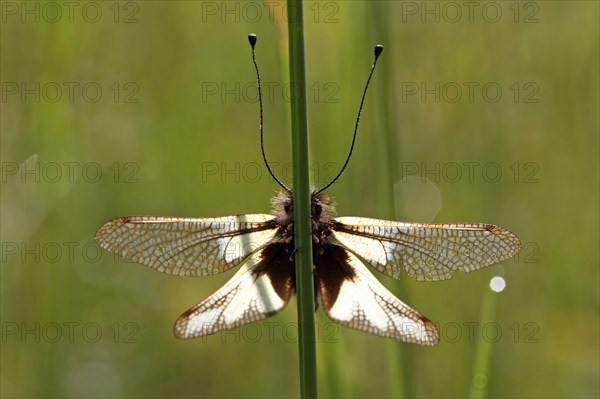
[[186, 246], [352, 296], [428, 251], [261, 288]]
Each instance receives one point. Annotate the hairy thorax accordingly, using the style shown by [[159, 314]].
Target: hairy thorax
[[322, 212]]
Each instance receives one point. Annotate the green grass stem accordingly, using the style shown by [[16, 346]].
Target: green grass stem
[[302, 204], [483, 351], [401, 356]]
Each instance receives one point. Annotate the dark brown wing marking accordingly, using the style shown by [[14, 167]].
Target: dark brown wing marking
[[353, 297], [261, 288]]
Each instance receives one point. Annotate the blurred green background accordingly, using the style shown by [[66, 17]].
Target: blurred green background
[[119, 108]]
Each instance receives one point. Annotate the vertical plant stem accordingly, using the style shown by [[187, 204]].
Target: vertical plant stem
[[483, 351], [401, 356], [302, 204]]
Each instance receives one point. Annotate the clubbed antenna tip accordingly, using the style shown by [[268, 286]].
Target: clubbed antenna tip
[[252, 39]]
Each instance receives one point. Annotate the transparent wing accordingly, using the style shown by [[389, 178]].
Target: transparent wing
[[428, 251], [352, 296], [261, 288], [185, 246]]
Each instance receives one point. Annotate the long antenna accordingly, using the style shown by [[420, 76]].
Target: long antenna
[[378, 51], [252, 40]]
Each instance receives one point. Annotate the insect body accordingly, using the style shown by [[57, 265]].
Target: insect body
[[264, 246]]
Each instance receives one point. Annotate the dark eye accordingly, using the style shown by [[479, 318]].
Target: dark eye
[[287, 207], [318, 210]]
